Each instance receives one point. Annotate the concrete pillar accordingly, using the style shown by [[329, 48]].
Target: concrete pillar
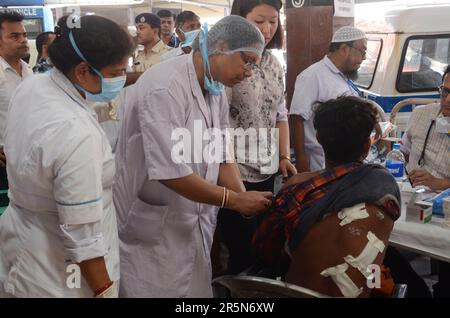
[[309, 28]]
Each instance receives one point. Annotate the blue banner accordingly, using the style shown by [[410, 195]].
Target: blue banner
[[22, 2], [29, 13]]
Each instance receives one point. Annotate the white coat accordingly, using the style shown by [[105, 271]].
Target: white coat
[[165, 239], [60, 171]]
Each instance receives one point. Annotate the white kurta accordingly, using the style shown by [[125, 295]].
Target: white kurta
[[165, 239], [318, 83], [60, 172], [9, 80]]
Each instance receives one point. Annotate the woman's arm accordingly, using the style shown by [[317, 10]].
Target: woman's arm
[[194, 188], [286, 167], [298, 133], [230, 177], [95, 273]]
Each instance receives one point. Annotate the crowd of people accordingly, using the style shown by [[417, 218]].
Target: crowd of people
[[129, 172]]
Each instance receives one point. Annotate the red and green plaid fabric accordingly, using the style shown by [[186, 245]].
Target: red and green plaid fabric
[[279, 223]]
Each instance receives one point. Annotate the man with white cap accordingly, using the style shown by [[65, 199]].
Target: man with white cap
[[329, 78]]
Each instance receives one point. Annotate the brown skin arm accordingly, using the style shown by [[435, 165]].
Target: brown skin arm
[[230, 177], [327, 243], [95, 273], [286, 167], [196, 189], [298, 134]]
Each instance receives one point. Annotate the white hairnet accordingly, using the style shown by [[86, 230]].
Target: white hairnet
[[348, 34], [237, 33]]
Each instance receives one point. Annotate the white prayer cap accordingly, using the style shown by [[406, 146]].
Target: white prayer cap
[[348, 34]]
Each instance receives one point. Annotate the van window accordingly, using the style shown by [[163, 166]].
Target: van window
[[424, 60], [367, 69]]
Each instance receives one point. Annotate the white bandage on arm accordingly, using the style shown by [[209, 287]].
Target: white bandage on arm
[[342, 280], [357, 212], [367, 256]]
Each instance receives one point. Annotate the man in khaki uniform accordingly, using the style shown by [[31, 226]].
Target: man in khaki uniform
[[147, 34]]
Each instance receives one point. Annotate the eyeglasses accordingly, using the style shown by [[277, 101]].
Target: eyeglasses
[[249, 63], [362, 51], [444, 91]]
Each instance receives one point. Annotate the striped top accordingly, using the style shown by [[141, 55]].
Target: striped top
[[437, 152]]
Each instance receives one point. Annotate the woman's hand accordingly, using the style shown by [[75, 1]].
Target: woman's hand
[[286, 168], [249, 203]]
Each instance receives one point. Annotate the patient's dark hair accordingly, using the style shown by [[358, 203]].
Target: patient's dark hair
[[343, 127]]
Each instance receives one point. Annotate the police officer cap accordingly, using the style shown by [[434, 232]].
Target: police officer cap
[[149, 18], [348, 34]]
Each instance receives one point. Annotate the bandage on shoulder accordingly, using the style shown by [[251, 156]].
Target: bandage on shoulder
[[357, 212]]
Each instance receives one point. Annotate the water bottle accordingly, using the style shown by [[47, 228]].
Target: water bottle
[[395, 162]]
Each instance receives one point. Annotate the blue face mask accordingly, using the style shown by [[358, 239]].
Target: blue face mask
[[212, 86], [111, 87], [189, 38]]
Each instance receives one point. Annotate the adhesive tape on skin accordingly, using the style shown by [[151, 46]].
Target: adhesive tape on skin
[[342, 280], [357, 212], [367, 256]]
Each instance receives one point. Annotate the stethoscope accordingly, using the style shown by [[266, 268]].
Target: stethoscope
[[422, 155]]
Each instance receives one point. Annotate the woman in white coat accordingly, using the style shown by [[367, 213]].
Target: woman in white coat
[[59, 234], [167, 207]]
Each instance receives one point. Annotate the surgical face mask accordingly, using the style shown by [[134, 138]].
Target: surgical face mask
[[111, 87], [443, 125], [189, 38], [212, 86]]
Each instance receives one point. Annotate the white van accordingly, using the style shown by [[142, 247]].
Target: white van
[[407, 51]]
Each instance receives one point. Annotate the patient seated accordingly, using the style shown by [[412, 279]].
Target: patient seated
[[328, 232], [329, 245]]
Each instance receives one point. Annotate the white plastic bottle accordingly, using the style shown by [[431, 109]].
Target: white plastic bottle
[[395, 163]]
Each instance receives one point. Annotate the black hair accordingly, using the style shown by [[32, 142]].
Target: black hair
[[244, 7], [10, 16], [41, 40], [100, 40], [343, 127], [336, 46], [447, 70], [185, 16], [165, 14]]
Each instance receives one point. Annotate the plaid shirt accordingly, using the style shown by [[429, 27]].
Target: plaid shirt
[[280, 222]]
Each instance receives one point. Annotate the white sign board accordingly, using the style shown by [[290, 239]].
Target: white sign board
[[344, 8]]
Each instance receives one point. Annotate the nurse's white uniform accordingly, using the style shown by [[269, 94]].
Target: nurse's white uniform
[[165, 239], [60, 171]]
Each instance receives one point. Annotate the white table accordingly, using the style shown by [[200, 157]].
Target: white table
[[431, 239]]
